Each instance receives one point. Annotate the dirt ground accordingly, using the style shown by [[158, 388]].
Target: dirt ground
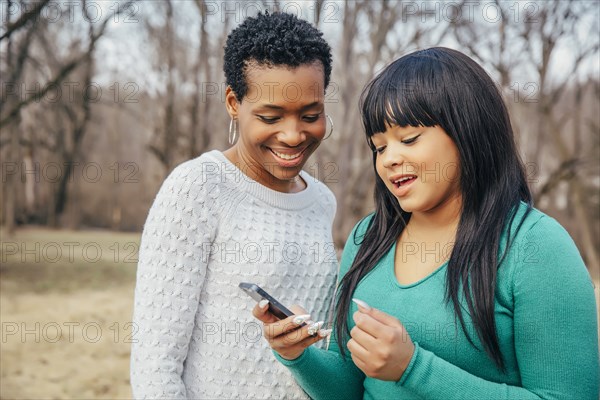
[[64, 321]]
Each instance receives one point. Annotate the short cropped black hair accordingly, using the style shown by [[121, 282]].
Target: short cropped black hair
[[273, 40]]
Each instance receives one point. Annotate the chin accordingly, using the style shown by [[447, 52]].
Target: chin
[[409, 206], [288, 173]]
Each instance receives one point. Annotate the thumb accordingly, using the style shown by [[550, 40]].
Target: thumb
[[261, 312], [379, 315]]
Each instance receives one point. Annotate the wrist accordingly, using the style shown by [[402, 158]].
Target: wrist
[[292, 362], [411, 365], [408, 358], [290, 356]]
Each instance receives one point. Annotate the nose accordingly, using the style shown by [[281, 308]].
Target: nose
[[391, 157], [292, 134]]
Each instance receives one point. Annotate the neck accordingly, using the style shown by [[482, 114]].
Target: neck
[[256, 172], [445, 217]]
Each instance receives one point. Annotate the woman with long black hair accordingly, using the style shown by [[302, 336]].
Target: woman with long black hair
[[461, 288]]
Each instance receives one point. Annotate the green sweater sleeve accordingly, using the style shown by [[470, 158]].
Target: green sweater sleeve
[[555, 328], [324, 374]]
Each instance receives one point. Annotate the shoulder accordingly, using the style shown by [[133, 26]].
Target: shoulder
[[543, 254], [192, 181], [531, 227], [355, 240], [360, 229], [205, 169]]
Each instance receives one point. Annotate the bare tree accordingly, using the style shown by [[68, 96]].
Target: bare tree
[[530, 36], [388, 35], [21, 37], [556, 21], [199, 110], [168, 132], [26, 18]]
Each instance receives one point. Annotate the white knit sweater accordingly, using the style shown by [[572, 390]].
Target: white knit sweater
[[210, 228]]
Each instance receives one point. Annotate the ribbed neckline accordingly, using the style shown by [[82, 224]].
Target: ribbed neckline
[[286, 201]]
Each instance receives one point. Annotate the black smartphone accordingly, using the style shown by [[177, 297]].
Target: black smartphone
[[275, 307]]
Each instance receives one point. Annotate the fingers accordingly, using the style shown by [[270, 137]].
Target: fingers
[[293, 337], [363, 338], [369, 325], [359, 353], [359, 362], [290, 336], [363, 347], [295, 329], [293, 351], [292, 343], [379, 315], [288, 325]]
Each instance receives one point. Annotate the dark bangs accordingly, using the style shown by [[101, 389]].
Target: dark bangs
[[404, 93]]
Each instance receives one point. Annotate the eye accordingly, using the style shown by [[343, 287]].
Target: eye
[[380, 149], [311, 118], [411, 140], [268, 120]]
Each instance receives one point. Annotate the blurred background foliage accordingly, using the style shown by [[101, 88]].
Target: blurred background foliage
[[101, 100]]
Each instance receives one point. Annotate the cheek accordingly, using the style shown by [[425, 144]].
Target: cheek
[[451, 168], [451, 173], [254, 132], [382, 172], [319, 129], [244, 125], [379, 166]]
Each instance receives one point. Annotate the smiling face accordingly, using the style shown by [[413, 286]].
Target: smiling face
[[281, 122], [419, 165]]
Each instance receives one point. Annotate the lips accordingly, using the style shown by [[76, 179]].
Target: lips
[[288, 157], [402, 184], [403, 180]]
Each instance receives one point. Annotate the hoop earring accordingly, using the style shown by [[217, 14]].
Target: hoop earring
[[233, 131], [330, 130]]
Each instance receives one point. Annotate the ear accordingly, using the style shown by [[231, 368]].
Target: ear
[[231, 102]]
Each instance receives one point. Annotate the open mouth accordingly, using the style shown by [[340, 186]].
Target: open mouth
[[291, 158], [285, 156], [405, 180]]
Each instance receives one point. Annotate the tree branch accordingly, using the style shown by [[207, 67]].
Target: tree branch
[[24, 19]]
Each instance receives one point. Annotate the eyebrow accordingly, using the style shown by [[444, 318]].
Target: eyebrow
[[280, 108]]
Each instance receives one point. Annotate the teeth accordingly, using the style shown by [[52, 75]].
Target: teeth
[[403, 179], [287, 156]]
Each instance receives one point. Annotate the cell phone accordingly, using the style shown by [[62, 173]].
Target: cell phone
[[257, 293]]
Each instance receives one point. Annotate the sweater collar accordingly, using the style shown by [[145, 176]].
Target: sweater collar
[[290, 201]]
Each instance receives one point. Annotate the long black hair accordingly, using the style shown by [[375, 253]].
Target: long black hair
[[443, 87]]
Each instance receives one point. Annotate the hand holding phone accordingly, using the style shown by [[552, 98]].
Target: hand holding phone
[[258, 294], [290, 337]]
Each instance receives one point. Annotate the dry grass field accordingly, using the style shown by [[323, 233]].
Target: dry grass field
[[65, 300]]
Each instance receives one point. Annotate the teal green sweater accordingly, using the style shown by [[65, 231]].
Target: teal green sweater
[[546, 320]]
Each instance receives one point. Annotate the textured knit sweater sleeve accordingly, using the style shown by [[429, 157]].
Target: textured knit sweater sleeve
[[325, 374], [171, 270], [555, 325]]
